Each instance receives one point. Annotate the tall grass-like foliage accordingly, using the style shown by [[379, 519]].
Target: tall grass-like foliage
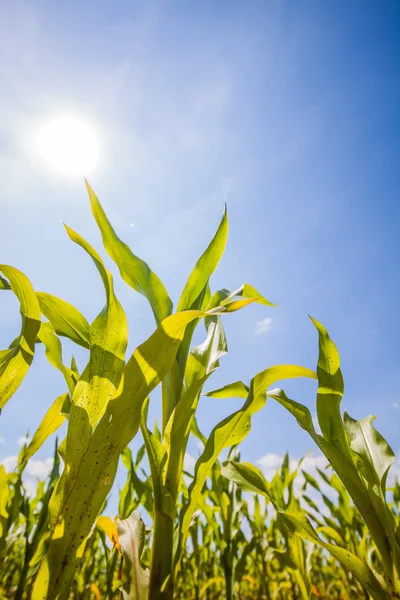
[[196, 546]]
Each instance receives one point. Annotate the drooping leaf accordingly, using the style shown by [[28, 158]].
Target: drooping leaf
[[54, 354], [247, 476], [233, 390], [110, 529], [65, 318], [4, 285], [15, 362]]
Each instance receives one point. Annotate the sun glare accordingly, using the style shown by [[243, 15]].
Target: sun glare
[[68, 145]]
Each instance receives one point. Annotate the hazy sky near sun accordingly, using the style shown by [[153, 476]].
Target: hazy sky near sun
[[289, 111]]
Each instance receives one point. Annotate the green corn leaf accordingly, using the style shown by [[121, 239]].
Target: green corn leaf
[[233, 390], [65, 318], [332, 534], [205, 357], [231, 431], [246, 292], [53, 351], [133, 270], [311, 480], [202, 362], [374, 455], [196, 293], [359, 569], [345, 469], [52, 420], [15, 362], [126, 500], [176, 434], [197, 433], [247, 477], [157, 457], [91, 467], [108, 337], [4, 498], [330, 391], [205, 267], [4, 285], [250, 479], [135, 579]]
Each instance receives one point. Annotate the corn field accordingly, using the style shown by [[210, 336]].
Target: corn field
[[222, 531]]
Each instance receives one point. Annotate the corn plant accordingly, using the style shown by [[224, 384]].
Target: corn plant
[[361, 458], [107, 403], [204, 537]]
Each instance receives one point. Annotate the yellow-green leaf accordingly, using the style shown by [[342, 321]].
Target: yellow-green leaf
[[15, 362], [134, 270], [65, 318]]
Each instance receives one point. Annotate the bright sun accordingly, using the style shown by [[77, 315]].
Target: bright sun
[[68, 145]]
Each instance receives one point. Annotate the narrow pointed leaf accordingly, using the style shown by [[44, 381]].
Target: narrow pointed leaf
[[52, 420], [204, 267], [133, 270]]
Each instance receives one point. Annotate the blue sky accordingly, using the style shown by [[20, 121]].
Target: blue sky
[[288, 111]]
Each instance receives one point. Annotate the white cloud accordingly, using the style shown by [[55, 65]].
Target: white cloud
[[189, 462], [35, 470], [263, 326], [270, 462], [22, 440], [39, 468], [10, 462], [2, 440]]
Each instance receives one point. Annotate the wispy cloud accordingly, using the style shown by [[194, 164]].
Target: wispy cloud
[[263, 326], [2, 440]]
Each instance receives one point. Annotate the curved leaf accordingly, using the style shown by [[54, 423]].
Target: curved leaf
[[231, 431], [52, 420], [15, 362], [54, 354], [65, 318], [91, 468], [133, 270]]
